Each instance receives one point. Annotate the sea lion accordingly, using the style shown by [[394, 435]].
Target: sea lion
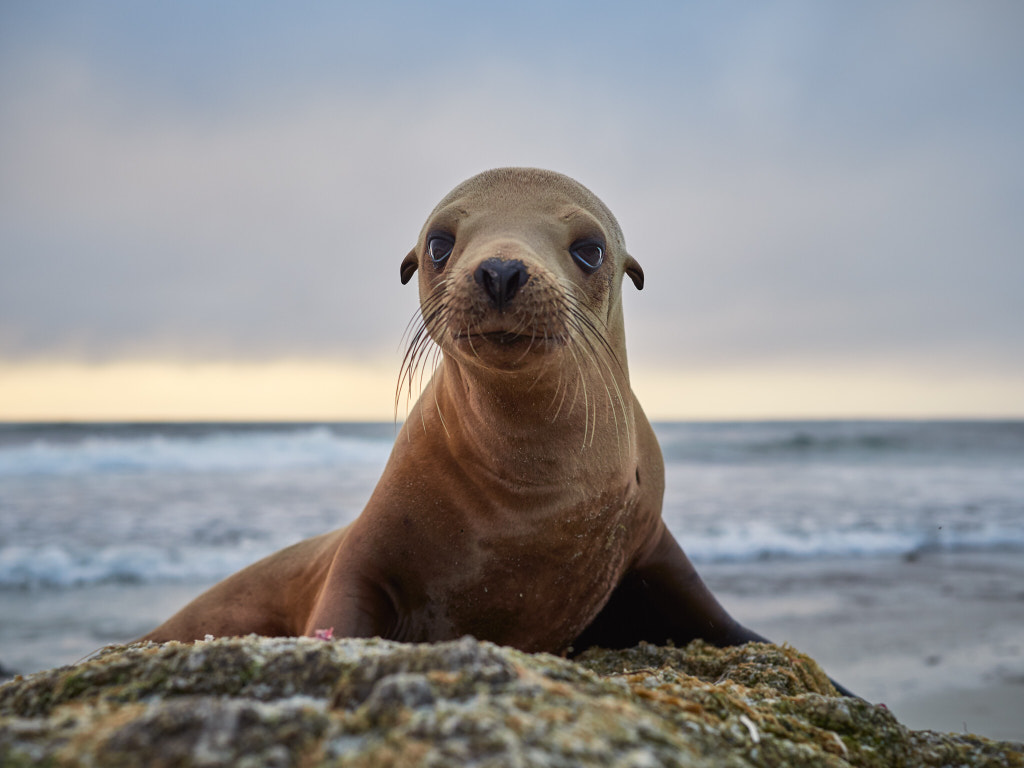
[[522, 500]]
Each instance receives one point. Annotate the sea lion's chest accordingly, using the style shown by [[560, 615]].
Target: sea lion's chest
[[530, 578]]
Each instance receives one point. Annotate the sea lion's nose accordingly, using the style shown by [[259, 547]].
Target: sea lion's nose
[[501, 279]]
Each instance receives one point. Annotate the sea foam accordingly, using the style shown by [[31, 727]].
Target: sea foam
[[211, 452], [82, 504]]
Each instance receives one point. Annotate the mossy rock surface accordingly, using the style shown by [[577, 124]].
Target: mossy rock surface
[[303, 702]]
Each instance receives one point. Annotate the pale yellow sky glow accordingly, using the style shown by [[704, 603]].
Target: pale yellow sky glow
[[318, 390], [159, 391]]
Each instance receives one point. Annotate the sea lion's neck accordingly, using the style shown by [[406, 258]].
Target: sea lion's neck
[[542, 424]]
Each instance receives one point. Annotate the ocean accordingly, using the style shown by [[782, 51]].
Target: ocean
[[85, 507]]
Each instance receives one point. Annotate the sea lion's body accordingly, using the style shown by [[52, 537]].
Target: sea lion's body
[[522, 501]]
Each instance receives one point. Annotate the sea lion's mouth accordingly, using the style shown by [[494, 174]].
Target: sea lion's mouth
[[503, 338], [508, 338]]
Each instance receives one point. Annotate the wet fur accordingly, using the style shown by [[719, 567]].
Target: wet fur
[[522, 501]]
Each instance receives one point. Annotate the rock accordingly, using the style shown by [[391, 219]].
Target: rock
[[6, 674], [305, 702]]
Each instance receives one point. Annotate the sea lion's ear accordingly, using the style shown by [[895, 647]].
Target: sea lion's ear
[[410, 263], [635, 272]]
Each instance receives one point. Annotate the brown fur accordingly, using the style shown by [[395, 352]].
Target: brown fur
[[522, 500]]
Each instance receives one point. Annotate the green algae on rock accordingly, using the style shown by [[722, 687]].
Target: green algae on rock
[[304, 702]]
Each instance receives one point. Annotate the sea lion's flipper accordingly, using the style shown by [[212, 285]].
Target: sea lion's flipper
[[663, 600], [352, 606], [660, 600]]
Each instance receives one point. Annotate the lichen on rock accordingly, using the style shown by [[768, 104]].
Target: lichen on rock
[[305, 702]]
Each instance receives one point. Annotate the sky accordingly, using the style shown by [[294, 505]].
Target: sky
[[203, 206]]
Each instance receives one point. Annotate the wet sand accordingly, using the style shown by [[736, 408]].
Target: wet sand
[[939, 639]]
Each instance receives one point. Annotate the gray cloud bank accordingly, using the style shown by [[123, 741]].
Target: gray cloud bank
[[801, 181]]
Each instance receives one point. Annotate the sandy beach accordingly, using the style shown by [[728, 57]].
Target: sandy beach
[[939, 639]]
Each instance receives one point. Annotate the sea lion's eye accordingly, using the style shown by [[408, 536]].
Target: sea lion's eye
[[440, 247], [589, 254]]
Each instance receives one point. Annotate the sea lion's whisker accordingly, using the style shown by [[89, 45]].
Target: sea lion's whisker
[[595, 352], [586, 316], [469, 339], [588, 330], [532, 326], [437, 403], [413, 357], [563, 387], [433, 310], [581, 382]]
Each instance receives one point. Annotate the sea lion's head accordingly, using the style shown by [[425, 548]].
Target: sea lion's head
[[516, 264]]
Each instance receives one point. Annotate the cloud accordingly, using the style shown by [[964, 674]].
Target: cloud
[[275, 233], [801, 183]]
